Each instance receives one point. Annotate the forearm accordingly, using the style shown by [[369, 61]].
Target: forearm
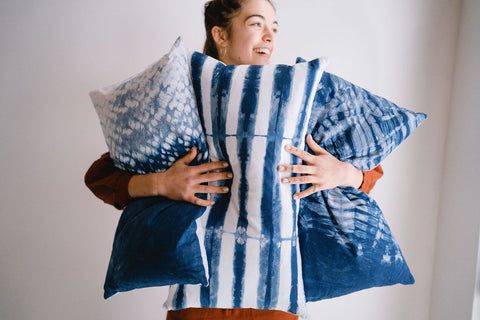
[[362, 180], [147, 185], [108, 183], [117, 187], [353, 177]]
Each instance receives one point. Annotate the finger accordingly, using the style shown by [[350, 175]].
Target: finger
[[314, 146], [307, 192], [211, 189], [296, 168], [302, 154], [213, 176], [298, 180], [210, 166], [200, 202], [186, 159]]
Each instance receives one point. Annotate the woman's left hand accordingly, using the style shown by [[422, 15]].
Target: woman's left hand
[[323, 170]]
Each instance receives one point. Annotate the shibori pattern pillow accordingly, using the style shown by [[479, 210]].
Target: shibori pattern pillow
[[158, 242], [357, 126], [250, 113], [149, 121], [346, 244]]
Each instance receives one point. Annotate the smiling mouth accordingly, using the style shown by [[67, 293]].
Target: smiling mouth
[[262, 51]]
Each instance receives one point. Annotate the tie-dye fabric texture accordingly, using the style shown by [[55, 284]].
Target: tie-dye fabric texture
[[345, 242], [250, 113], [357, 126], [155, 245], [149, 121], [256, 247]]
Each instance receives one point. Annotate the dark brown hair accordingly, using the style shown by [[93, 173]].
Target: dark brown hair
[[219, 13]]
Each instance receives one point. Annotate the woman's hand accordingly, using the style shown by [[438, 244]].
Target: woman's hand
[[323, 170], [181, 181]]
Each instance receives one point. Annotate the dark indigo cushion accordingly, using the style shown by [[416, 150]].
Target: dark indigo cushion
[[158, 242], [346, 244]]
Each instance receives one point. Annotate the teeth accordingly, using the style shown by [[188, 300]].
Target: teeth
[[262, 50]]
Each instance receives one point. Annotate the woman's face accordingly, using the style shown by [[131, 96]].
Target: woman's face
[[252, 35]]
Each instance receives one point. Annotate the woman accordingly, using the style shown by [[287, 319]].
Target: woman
[[238, 32]]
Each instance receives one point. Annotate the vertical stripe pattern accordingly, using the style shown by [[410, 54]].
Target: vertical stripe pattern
[[249, 114]]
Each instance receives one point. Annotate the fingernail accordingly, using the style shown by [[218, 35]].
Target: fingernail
[[229, 175], [212, 203], [225, 164], [281, 168], [296, 197], [285, 180], [288, 147], [225, 189]]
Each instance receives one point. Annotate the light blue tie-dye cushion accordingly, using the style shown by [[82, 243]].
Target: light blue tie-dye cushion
[[149, 121], [346, 244], [250, 113]]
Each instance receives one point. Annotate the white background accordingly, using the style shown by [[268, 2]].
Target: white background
[[55, 236]]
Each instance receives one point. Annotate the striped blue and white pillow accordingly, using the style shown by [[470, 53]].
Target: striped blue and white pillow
[[250, 113], [346, 244]]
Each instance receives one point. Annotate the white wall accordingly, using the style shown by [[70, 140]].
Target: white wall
[[476, 297], [55, 237], [459, 218]]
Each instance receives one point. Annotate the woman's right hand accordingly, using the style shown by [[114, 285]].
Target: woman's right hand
[[182, 181]]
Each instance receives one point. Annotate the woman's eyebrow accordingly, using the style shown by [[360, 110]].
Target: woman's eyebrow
[[259, 16]]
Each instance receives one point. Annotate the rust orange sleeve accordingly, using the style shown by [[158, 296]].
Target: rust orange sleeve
[[370, 178], [108, 183]]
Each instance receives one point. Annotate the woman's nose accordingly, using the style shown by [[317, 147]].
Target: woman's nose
[[268, 35]]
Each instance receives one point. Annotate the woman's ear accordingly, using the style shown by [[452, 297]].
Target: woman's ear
[[219, 36]]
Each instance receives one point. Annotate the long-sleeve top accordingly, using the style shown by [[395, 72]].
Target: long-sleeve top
[[228, 314]]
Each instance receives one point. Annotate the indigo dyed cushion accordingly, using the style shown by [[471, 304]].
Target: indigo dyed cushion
[[346, 244], [158, 242], [250, 113], [357, 126], [150, 120]]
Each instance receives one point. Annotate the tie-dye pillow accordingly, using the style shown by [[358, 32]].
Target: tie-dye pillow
[[346, 244], [149, 121], [250, 113], [158, 242], [357, 126]]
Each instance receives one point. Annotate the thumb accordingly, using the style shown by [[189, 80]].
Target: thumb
[[314, 146], [186, 159]]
